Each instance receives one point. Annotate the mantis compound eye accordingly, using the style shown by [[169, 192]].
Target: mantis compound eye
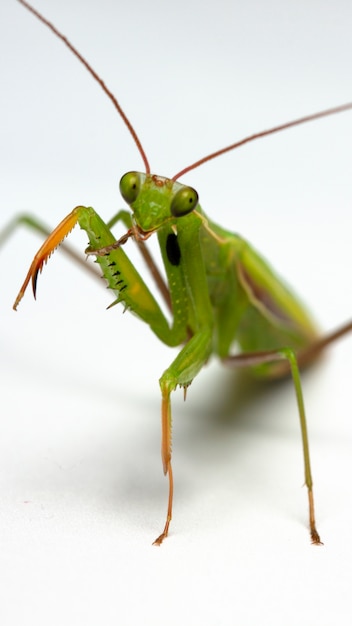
[[130, 184], [184, 201]]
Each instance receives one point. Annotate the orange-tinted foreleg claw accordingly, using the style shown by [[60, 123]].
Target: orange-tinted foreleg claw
[[45, 251]]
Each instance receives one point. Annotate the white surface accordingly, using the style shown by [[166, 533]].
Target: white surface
[[82, 491]]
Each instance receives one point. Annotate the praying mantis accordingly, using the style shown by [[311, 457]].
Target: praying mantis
[[219, 289]]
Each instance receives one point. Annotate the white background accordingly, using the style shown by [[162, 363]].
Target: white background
[[82, 490]]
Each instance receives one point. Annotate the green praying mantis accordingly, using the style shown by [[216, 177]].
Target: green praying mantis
[[219, 290]]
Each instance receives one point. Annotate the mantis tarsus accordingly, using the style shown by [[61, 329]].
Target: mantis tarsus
[[219, 290]]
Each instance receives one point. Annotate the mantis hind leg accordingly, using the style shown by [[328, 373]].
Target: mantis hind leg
[[288, 356], [312, 351]]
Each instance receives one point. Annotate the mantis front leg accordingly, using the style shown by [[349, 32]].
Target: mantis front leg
[[125, 281]]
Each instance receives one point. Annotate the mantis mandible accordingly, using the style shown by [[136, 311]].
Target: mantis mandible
[[219, 290]]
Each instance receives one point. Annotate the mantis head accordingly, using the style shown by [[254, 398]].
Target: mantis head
[[156, 200]]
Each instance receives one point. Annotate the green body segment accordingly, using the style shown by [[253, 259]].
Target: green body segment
[[222, 292], [252, 306]]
